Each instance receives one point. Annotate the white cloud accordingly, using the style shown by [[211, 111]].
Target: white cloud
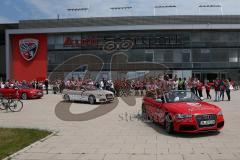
[[5, 20], [44, 6]]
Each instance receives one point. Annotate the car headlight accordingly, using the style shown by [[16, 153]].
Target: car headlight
[[183, 116], [220, 113], [32, 92], [99, 95]]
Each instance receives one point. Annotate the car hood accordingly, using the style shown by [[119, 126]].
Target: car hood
[[192, 108]]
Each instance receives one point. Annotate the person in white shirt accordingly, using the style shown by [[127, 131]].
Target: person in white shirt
[[1, 85], [101, 85]]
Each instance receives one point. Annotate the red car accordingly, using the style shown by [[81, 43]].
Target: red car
[[23, 92], [183, 111]]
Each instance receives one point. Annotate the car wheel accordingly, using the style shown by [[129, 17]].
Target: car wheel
[[168, 124], [24, 96], [2, 105], [91, 99], [66, 97]]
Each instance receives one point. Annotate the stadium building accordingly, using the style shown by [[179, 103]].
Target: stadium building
[[3, 27], [203, 46]]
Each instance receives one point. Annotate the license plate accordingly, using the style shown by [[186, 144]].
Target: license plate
[[205, 123]]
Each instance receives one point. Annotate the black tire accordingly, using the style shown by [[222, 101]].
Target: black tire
[[16, 105], [24, 96], [169, 124], [2, 105], [92, 99], [66, 97]]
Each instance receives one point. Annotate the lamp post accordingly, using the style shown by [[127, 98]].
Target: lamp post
[[121, 8], [86, 9], [162, 7], [211, 6]]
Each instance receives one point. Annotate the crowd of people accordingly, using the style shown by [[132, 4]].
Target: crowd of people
[[13, 83], [157, 85]]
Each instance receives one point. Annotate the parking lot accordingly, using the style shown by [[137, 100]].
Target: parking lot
[[121, 135]]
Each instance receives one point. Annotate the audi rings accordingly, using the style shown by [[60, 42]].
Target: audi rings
[[112, 46]]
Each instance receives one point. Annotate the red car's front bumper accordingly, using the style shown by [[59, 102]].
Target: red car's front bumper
[[35, 95], [192, 125]]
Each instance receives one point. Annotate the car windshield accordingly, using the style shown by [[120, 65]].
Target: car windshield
[[88, 87], [23, 87], [181, 96]]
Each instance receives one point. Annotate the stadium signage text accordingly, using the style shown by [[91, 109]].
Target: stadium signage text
[[78, 42], [138, 42]]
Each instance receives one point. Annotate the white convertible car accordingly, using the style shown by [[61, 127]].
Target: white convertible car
[[91, 95]]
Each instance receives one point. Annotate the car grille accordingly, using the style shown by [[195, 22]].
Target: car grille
[[206, 117], [109, 96], [187, 127]]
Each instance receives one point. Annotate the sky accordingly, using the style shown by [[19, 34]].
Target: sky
[[14, 10]]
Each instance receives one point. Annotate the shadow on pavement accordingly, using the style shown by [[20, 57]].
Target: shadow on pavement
[[62, 111]]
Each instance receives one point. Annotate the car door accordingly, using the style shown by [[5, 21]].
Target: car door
[[84, 95], [71, 95], [75, 95], [148, 103], [157, 110], [8, 92]]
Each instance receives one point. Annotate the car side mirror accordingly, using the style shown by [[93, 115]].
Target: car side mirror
[[159, 100], [82, 90]]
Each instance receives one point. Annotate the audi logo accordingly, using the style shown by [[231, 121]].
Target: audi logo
[[112, 46]]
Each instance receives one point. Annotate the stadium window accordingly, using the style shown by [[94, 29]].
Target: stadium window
[[233, 57]]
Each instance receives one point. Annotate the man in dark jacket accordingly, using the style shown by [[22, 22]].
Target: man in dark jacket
[[46, 85], [217, 89]]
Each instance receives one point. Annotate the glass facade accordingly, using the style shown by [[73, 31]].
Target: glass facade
[[196, 50]]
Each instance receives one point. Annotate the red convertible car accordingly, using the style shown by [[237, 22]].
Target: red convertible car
[[23, 92], [183, 111]]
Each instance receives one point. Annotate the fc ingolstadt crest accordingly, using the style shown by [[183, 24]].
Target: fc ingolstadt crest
[[28, 48]]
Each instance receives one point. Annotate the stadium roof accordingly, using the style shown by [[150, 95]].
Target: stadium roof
[[124, 21], [3, 27]]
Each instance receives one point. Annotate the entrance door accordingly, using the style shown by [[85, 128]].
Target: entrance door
[[223, 76], [211, 76], [197, 75]]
